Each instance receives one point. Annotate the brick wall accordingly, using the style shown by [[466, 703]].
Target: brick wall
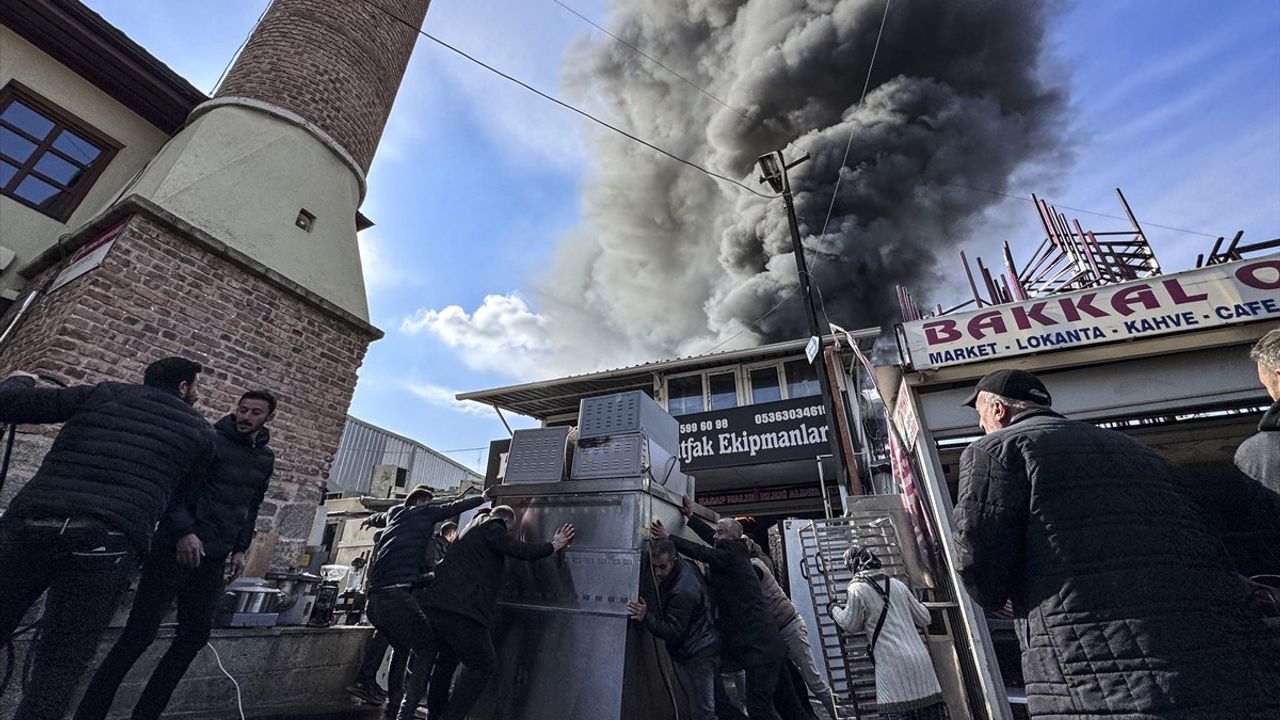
[[159, 294], [337, 63]]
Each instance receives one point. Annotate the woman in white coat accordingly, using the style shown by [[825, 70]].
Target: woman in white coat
[[888, 612]]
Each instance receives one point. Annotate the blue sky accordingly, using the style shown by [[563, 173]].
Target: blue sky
[[476, 181]]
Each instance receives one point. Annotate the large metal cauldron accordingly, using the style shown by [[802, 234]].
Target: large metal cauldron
[[566, 649]]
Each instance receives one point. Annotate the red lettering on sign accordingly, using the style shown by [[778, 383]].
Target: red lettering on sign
[[1022, 317], [941, 331], [1180, 296], [992, 321], [1072, 308], [1124, 300], [1248, 274]]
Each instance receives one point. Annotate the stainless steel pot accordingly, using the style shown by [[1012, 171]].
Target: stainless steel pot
[[256, 599]]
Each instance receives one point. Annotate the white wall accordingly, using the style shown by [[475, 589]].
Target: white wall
[[29, 232], [242, 176]]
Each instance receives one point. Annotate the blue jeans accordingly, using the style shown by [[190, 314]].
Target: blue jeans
[[699, 678], [85, 567]]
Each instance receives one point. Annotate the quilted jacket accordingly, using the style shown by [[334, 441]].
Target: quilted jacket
[[1130, 611]]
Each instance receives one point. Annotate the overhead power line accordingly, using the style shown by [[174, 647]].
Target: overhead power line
[[565, 105]]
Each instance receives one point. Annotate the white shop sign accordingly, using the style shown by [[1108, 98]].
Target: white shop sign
[[1218, 295]]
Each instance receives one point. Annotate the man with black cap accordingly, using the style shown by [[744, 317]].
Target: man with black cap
[[1129, 607]]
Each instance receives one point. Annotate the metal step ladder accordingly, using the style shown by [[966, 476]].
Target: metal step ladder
[[823, 544]]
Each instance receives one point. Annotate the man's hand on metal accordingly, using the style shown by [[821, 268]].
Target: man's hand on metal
[[637, 610], [235, 566], [686, 506], [658, 531], [190, 551], [563, 537], [487, 494]]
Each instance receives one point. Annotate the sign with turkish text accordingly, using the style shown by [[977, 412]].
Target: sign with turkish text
[[759, 496], [89, 256], [1218, 295], [794, 429]]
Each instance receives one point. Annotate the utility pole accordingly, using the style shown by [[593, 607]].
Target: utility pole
[[774, 172]]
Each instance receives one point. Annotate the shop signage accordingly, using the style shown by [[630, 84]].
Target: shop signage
[[904, 416], [89, 256], [754, 496], [1218, 295], [753, 435]]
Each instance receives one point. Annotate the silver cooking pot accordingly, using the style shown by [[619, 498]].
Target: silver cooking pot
[[256, 599]]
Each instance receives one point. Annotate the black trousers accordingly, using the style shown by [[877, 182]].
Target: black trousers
[[373, 654], [198, 591], [85, 568], [472, 645], [699, 678], [762, 683], [397, 613]]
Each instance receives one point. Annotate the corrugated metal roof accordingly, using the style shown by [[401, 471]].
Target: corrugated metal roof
[[365, 445], [547, 398]]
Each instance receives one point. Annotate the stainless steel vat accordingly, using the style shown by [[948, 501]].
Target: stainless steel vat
[[566, 649]]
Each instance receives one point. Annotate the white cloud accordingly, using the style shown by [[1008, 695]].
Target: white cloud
[[503, 335], [445, 398]]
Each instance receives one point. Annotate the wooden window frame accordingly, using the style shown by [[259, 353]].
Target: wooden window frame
[[62, 119]]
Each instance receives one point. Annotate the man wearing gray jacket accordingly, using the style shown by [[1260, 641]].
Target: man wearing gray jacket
[[1259, 456]]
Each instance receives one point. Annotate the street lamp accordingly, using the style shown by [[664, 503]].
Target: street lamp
[[773, 172]]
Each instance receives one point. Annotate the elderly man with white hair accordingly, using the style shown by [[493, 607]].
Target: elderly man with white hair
[[1259, 456], [749, 637]]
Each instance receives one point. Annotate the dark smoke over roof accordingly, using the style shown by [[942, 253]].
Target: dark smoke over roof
[[670, 262]]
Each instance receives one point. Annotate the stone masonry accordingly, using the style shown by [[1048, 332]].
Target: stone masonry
[[337, 63], [158, 293]]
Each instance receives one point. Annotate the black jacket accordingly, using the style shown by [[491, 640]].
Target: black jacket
[[1259, 456], [467, 583], [684, 619], [748, 634], [436, 550], [121, 453], [401, 555], [222, 509], [1130, 611]]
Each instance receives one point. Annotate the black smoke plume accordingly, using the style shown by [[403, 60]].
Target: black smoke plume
[[667, 262]]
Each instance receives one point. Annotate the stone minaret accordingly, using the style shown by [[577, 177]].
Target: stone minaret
[[237, 246]]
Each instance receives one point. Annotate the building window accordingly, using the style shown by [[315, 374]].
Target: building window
[[48, 159], [684, 395], [723, 390], [764, 385], [802, 378]]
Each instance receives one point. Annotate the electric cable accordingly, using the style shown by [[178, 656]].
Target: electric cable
[[231, 61], [566, 105], [239, 697]]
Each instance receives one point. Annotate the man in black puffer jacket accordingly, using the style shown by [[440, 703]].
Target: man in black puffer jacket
[[199, 547], [1130, 611], [683, 621], [749, 637], [462, 599], [400, 566], [80, 525]]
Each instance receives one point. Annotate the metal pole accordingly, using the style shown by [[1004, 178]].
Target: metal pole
[[811, 316]]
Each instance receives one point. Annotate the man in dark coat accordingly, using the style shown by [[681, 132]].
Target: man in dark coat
[[80, 525], [400, 566], [199, 547], [748, 635], [461, 600], [1130, 611], [1259, 456], [683, 621]]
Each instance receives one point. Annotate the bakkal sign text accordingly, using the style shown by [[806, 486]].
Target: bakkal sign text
[[753, 435], [1218, 295]]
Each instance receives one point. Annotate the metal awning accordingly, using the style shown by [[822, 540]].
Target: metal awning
[[560, 396]]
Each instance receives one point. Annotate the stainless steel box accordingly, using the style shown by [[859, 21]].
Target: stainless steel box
[[628, 412], [537, 455]]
